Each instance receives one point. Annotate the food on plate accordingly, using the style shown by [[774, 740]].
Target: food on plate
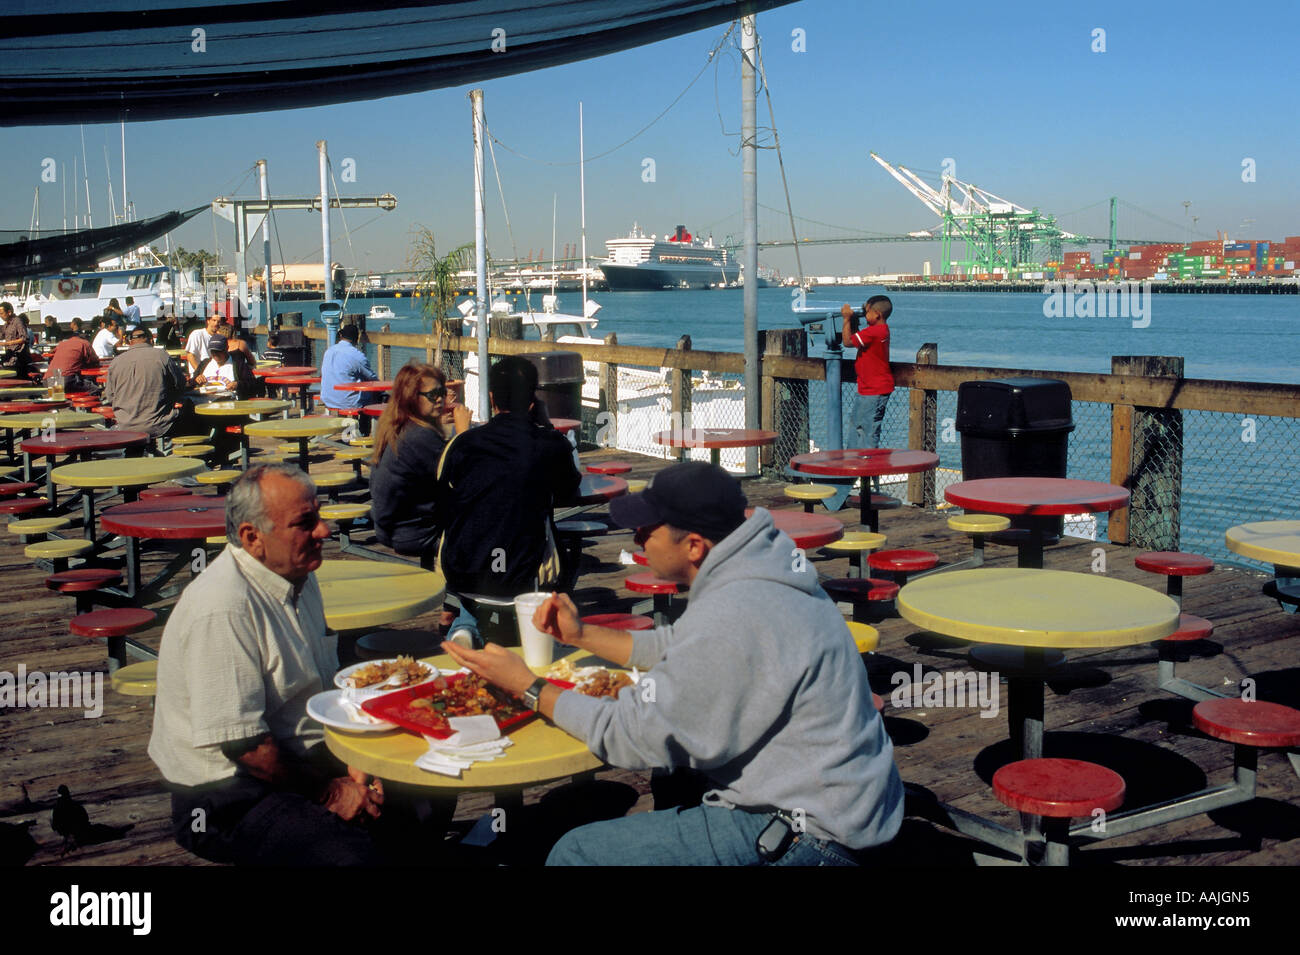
[[404, 671], [591, 681], [603, 683]]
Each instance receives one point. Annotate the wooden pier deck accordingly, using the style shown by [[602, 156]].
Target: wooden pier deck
[[1103, 705]]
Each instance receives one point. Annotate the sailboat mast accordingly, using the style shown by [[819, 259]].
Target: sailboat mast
[[85, 173], [125, 208], [480, 258], [553, 198], [582, 205]]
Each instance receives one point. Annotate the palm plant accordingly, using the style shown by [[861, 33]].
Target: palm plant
[[435, 281]]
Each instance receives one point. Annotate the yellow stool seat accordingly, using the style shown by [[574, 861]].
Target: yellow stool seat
[[866, 637], [218, 541], [353, 454], [292, 448], [359, 442], [334, 479], [57, 549], [217, 477], [185, 440], [344, 512], [38, 525], [857, 541], [192, 451], [809, 492], [137, 679], [636, 485], [979, 523]]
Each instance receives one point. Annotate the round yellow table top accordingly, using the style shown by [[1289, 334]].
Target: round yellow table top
[[125, 472], [1276, 542], [175, 352], [296, 427], [236, 409], [12, 394], [371, 593], [541, 751], [62, 418], [8, 373], [1025, 607]]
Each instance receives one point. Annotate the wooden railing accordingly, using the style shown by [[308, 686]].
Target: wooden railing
[[1143, 396]]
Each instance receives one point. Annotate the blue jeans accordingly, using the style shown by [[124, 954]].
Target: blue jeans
[[868, 413], [704, 835]]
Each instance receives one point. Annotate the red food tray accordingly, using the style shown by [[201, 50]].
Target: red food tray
[[395, 708]]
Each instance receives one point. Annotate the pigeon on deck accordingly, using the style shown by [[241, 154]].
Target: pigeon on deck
[[70, 820]]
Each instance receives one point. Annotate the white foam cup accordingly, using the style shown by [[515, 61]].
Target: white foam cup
[[538, 646]]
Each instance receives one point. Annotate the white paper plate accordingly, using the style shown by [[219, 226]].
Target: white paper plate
[[325, 707], [340, 678]]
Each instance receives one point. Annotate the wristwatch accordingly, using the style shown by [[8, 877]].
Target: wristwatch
[[533, 695]]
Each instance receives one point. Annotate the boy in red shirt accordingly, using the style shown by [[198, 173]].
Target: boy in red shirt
[[875, 380]]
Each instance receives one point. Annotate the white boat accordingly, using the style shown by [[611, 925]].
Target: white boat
[[644, 405], [380, 313], [85, 295], [638, 262]]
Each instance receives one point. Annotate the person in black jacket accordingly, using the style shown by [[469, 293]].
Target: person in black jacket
[[497, 486]]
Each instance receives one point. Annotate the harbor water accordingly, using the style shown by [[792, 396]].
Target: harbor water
[[1236, 468]]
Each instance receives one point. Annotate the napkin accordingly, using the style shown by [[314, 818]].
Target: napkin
[[625, 558], [350, 706], [473, 739]]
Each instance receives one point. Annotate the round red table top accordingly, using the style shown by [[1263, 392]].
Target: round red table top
[[715, 438], [72, 442], [648, 583], [284, 370], [15, 383], [1050, 497], [565, 425], [806, 530], [597, 488], [29, 407], [365, 386], [168, 518], [303, 379], [99, 372], [864, 462]]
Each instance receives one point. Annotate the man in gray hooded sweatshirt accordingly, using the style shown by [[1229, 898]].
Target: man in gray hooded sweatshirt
[[758, 686]]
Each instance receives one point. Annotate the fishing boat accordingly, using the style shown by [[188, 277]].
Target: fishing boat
[[85, 295], [380, 313]]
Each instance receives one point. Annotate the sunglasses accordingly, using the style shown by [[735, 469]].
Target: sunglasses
[[435, 394], [642, 534]]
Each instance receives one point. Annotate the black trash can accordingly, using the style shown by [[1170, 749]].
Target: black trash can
[[1015, 427], [559, 382]]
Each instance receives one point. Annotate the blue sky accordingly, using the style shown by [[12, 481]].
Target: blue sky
[[1013, 93]]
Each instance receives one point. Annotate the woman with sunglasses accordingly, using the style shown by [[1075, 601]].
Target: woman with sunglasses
[[416, 425]]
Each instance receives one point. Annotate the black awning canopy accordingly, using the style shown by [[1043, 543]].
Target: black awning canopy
[[96, 61]]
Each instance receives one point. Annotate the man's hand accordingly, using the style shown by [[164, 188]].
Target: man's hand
[[558, 616], [495, 664], [353, 795]]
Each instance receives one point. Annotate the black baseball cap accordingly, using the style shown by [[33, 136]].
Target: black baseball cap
[[218, 343], [694, 496]]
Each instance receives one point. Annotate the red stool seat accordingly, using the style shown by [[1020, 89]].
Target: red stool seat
[[350, 412], [165, 490], [639, 557], [1252, 723], [235, 429], [908, 561], [1058, 788], [14, 488], [853, 589], [620, 621], [609, 467], [373, 411], [1174, 563], [105, 411], [24, 505], [878, 701], [648, 583], [112, 623], [1191, 627], [83, 579]]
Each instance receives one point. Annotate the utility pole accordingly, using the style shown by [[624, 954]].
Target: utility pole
[[749, 155]]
